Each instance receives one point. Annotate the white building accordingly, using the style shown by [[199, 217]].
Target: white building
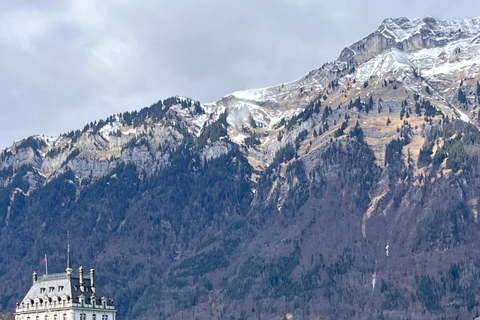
[[65, 296]]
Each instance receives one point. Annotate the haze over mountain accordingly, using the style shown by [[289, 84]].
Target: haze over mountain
[[351, 192]]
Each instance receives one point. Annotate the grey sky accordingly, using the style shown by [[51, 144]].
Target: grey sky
[[66, 63]]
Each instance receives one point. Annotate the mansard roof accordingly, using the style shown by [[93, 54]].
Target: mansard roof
[[65, 286]]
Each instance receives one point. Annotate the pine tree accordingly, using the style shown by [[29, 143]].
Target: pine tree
[[462, 97]]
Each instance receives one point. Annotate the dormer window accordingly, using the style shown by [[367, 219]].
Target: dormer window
[[51, 298]]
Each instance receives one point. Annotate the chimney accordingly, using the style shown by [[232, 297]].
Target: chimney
[[80, 275], [92, 278], [34, 277]]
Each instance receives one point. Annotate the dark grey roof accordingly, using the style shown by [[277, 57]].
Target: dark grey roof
[[60, 285]]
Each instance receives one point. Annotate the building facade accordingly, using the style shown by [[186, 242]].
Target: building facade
[[65, 296]]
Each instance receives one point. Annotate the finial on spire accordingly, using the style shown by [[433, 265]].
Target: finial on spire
[[69, 261]]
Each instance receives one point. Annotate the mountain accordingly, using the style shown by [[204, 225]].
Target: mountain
[[351, 192]]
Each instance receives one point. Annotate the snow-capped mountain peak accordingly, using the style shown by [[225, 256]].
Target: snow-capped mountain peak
[[411, 35], [401, 29], [401, 64]]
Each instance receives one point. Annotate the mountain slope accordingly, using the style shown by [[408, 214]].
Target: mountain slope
[[351, 192]]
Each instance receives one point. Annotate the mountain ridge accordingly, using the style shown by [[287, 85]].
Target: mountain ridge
[[306, 198]]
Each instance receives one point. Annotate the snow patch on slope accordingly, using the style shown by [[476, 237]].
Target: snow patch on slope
[[254, 95], [390, 61], [49, 140], [110, 128]]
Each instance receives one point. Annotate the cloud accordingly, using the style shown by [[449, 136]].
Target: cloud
[[66, 63]]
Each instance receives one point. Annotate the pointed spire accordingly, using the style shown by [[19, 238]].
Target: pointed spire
[[69, 261]]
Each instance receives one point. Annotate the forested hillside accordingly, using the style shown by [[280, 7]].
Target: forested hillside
[[351, 193]]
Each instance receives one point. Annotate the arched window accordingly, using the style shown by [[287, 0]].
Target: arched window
[[94, 317], [64, 316]]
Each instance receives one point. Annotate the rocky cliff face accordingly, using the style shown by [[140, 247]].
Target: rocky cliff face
[[349, 193]]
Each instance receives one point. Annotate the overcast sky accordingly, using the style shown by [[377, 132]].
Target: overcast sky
[[65, 63]]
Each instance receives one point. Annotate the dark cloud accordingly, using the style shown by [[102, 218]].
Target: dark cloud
[[66, 63]]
